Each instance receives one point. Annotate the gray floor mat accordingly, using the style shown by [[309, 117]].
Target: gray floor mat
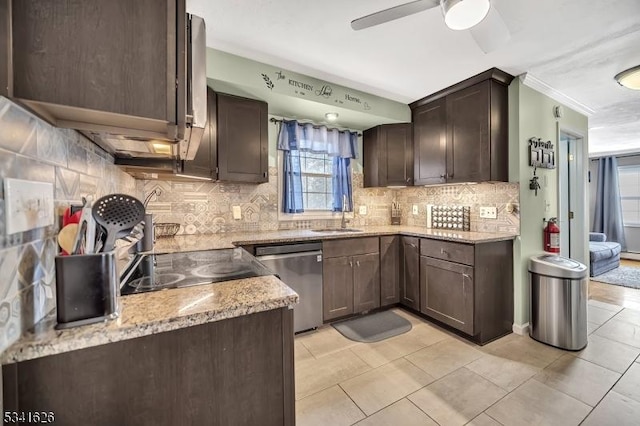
[[373, 327]]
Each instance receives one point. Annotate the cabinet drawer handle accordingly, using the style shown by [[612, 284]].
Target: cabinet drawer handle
[[264, 175], [358, 263], [351, 263], [442, 176], [467, 276], [408, 180], [412, 245], [443, 251]]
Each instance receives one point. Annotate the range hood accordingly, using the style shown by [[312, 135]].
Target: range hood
[[142, 98], [135, 147]]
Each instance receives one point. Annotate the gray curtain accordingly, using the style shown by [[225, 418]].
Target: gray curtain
[[608, 214]]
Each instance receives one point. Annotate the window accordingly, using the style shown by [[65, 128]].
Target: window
[[317, 179], [630, 194]]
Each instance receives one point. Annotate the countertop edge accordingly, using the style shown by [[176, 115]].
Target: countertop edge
[[340, 236], [25, 351]]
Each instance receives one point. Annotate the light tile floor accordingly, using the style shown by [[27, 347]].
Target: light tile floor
[[429, 376]]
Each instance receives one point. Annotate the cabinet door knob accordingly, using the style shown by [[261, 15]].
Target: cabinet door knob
[[443, 251], [358, 263], [408, 180], [351, 263], [264, 175]]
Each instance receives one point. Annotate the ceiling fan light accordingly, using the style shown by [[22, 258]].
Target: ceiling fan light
[[464, 14], [630, 78]]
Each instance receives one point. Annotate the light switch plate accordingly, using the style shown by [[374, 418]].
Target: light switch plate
[[29, 205], [488, 212], [237, 212], [414, 209], [362, 210]]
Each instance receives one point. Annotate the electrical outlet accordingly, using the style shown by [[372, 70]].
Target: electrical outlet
[[29, 205], [362, 210], [414, 209], [237, 213], [488, 212]]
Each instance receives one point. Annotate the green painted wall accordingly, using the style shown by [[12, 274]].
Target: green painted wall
[[299, 96], [531, 114]]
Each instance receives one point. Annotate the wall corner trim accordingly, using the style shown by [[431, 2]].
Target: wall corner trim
[[522, 330], [535, 83]]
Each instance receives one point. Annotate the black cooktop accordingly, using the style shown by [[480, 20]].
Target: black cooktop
[[150, 272]]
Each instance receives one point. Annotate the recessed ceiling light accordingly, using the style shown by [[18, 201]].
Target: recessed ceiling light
[[331, 116], [464, 14], [630, 78]]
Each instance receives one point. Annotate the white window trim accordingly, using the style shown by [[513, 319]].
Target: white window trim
[[307, 215]]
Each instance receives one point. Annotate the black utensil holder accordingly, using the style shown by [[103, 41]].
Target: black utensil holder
[[87, 289]]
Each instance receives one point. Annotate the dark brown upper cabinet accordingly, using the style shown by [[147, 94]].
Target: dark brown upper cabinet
[[388, 155], [117, 70], [430, 143], [460, 134], [234, 147], [206, 160], [243, 139]]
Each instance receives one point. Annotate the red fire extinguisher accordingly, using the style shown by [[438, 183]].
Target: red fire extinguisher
[[552, 236]]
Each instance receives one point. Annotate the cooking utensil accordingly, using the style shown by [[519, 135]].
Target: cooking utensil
[[117, 214], [68, 217], [86, 236], [67, 236]]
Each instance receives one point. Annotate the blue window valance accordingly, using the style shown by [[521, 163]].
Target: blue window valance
[[342, 145], [321, 139]]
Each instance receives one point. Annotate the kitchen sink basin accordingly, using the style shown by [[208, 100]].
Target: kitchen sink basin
[[337, 230]]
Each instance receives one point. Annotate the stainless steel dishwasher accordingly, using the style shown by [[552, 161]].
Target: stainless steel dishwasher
[[300, 267]]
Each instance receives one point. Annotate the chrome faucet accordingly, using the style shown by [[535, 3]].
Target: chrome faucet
[[343, 223]]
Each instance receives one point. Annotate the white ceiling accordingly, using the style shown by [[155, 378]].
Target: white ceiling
[[575, 46]]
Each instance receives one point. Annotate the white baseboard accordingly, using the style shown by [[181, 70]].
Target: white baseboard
[[630, 256], [522, 330]]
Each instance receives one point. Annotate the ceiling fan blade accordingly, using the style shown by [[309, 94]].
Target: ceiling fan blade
[[393, 13], [492, 32]]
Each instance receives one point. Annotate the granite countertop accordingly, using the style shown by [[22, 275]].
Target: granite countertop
[[154, 312], [234, 239]]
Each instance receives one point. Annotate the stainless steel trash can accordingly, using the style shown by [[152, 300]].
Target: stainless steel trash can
[[558, 314]]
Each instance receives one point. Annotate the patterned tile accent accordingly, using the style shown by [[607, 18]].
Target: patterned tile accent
[[497, 194], [34, 150], [205, 207]]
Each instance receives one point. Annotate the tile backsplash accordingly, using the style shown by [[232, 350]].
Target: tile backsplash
[[491, 194], [206, 207], [32, 149]]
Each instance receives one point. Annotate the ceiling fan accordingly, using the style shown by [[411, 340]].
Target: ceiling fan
[[480, 17]]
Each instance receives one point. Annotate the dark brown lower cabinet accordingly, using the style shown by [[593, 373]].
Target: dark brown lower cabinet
[[350, 276], [409, 273], [468, 287], [337, 287], [447, 292], [366, 282], [389, 270], [231, 372]]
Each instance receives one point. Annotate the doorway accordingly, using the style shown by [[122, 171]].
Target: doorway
[[572, 196]]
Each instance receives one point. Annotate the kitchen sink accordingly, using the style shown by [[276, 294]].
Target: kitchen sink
[[337, 230]]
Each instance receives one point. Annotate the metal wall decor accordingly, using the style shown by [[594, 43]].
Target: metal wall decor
[[541, 154]]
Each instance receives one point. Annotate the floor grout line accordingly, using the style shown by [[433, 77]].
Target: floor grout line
[[370, 369]]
